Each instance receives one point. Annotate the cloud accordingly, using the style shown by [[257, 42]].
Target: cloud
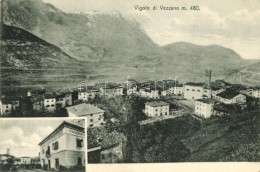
[[23, 145]]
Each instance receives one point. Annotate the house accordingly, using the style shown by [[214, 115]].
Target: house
[[25, 160], [60, 101], [157, 108], [178, 89], [132, 89], [149, 93], [64, 146], [87, 95], [256, 92], [204, 107], [111, 90], [231, 97], [252, 92], [95, 115], [5, 106], [247, 92], [49, 103], [37, 103], [196, 91]]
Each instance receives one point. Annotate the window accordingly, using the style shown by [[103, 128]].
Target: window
[[55, 146], [188, 89], [91, 125], [47, 101], [91, 120], [6, 111], [79, 143], [52, 105], [48, 106], [42, 151]]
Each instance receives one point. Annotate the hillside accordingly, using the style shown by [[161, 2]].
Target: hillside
[[83, 36], [248, 75], [30, 61], [231, 138]]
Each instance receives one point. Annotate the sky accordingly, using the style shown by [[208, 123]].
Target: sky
[[22, 136], [233, 24]]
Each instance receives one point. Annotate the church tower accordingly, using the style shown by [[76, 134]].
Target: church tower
[[207, 78]]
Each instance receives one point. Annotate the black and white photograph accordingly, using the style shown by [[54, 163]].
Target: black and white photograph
[[168, 82], [31, 145]]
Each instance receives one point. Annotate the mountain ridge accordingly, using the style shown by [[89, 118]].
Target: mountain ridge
[[117, 46]]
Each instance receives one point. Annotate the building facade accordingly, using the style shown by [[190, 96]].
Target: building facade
[[25, 160], [157, 108], [49, 103], [196, 91], [64, 147], [204, 107], [95, 115], [230, 97]]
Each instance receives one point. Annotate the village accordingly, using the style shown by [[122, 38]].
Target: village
[[107, 107]]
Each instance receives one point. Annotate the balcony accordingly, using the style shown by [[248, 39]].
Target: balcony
[[48, 153]]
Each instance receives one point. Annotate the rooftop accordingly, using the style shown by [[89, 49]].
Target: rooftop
[[215, 88], [157, 103], [49, 96], [195, 84], [84, 109], [61, 126], [208, 101], [228, 94]]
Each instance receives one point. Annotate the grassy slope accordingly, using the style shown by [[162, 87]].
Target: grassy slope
[[226, 139]]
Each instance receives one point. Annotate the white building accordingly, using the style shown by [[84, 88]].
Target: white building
[[25, 160], [149, 93], [111, 91], [204, 107], [256, 93], [64, 146], [196, 91], [95, 115], [231, 97], [178, 89], [49, 103], [132, 90], [5, 107], [87, 95], [157, 108]]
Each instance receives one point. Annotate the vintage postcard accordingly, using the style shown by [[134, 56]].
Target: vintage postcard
[[29, 144], [163, 84]]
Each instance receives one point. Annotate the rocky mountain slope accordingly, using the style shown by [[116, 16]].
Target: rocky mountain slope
[[27, 60], [117, 46]]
